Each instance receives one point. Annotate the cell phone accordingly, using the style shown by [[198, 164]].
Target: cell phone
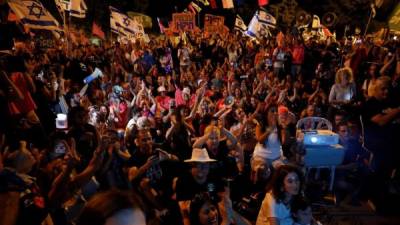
[[60, 148]]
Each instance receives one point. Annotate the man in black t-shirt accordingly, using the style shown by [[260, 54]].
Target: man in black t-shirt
[[151, 171], [381, 121], [381, 124]]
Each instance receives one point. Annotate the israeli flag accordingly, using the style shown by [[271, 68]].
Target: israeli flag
[[239, 24], [123, 25], [33, 14], [260, 24], [77, 8]]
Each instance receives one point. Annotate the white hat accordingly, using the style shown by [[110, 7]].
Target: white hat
[[161, 89], [200, 155], [186, 90]]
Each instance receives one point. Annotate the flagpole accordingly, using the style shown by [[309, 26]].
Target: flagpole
[[66, 31], [369, 21], [198, 15]]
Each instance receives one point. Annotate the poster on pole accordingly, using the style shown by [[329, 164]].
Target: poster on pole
[[183, 22], [214, 24]]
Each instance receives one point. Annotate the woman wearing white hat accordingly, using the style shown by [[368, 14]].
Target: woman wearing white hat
[[196, 181], [200, 181]]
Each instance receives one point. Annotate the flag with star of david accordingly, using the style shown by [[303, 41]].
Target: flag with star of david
[[260, 24], [33, 15], [123, 25], [239, 24]]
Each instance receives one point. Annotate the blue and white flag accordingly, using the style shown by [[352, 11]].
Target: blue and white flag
[[239, 24], [33, 15], [77, 8], [260, 24], [266, 18], [123, 25]]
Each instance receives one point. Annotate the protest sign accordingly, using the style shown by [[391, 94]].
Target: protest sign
[[214, 25], [183, 22]]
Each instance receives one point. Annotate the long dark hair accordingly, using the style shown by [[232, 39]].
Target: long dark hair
[[264, 121], [197, 203], [277, 184]]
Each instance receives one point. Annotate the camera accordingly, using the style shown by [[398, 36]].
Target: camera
[[172, 104]]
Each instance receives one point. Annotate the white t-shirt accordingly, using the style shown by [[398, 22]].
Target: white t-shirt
[[339, 93], [271, 149], [270, 208]]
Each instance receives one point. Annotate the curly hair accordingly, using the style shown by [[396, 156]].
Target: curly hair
[[277, 184], [344, 72]]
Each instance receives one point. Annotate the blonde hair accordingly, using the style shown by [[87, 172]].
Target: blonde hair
[[212, 128], [345, 71]]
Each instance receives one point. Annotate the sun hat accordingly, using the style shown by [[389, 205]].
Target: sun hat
[[200, 155]]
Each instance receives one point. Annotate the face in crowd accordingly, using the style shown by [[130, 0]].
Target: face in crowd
[[310, 110], [213, 138], [200, 172], [144, 142], [272, 116], [291, 184], [303, 216], [208, 214], [382, 89]]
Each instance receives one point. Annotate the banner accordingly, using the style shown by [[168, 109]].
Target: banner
[[143, 19], [213, 24], [183, 22], [33, 15]]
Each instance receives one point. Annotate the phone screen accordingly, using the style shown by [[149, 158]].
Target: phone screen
[[60, 148]]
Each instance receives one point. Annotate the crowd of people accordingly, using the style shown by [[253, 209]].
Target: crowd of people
[[199, 131]]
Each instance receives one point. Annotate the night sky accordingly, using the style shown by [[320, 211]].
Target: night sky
[[354, 12]]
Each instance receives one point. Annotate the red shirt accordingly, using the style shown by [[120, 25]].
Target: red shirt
[[298, 54], [17, 106]]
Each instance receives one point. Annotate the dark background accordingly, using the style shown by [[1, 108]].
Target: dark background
[[349, 12]]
